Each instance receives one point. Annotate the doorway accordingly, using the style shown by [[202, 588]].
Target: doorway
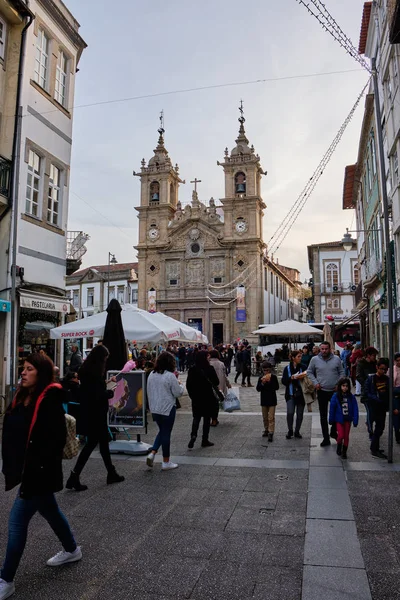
[[217, 334]]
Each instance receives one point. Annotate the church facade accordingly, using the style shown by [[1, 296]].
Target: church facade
[[201, 263]]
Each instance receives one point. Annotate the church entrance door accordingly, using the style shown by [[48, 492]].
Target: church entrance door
[[217, 333]]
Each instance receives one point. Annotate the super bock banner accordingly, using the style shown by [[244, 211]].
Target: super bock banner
[[241, 304]]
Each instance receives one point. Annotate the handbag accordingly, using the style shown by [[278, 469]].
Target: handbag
[[71, 447], [231, 402], [218, 395]]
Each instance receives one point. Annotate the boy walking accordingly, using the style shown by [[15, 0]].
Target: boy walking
[[267, 385], [377, 391]]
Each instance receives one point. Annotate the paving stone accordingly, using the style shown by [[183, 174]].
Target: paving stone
[[258, 500], [228, 581], [327, 478], [324, 457], [281, 583], [379, 553], [249, 520], [384, 586], [240, 547], [283, 551], [288, 523], [334, 583], [293, 502], [332, 543], [329, 504]]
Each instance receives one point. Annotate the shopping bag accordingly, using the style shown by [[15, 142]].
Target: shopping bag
[[231, 402]]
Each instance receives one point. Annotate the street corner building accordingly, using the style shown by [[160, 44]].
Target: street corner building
[[205, 263], [40, 48]]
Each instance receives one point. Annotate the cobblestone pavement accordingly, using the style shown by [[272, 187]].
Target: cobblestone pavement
[[244, 519]]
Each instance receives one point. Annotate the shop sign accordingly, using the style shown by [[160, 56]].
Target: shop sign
[[5, 306], [44, 303]]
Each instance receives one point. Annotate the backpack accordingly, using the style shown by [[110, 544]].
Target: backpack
[[71, 447]]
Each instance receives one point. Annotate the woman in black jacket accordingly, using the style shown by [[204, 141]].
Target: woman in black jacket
[[93, 417], [291, 377], [200, 382], [34, 436]]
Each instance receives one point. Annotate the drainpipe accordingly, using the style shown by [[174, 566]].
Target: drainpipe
[[30, 18], [13, 198]]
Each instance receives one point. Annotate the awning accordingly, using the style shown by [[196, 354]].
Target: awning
[[37, 301], [354, 317]]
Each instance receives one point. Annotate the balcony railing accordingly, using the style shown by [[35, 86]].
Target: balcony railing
[[5, 176], [370, 268]]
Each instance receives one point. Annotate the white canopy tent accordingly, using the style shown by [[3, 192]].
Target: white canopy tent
[[138, 325], [288, 328]]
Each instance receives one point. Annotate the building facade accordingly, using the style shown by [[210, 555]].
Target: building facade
[[53, 50], [89, 290], [362, 192], [205, 263], [15, 18], [201, 263], [335, 277]]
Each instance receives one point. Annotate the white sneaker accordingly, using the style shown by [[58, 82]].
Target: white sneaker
[[61, 558], [150, 459], [166, 466], [6, 589]]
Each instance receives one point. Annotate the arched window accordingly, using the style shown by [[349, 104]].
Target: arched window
[[332, 275], [172, 193], [240, 183], [154, 191]]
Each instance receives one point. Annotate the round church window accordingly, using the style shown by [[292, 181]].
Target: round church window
[[195, 248]]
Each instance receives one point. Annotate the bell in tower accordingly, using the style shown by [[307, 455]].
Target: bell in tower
[[154, 191], [240, 183]]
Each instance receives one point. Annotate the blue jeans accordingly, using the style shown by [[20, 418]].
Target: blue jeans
[[20, 516], [165, 424], [291, 407]]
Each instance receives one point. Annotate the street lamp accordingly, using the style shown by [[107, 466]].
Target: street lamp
[[347, 241], [111, 261]]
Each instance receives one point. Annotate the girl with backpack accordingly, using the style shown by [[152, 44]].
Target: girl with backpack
[[343, 411]]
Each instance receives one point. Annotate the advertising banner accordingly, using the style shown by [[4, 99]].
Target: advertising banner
[[152, 301], [127, 408], [241, 304]]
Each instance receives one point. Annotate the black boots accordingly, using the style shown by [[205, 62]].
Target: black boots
[[339, 449], [344, 452], [289, 434], [270, 437], [113, 477], [73, 483]]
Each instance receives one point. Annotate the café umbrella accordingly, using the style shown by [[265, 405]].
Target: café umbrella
[[138, 325]]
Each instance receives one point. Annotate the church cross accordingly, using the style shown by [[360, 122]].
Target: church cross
[[196, 181]]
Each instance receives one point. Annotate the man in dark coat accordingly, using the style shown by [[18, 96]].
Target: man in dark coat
[[76, 359]]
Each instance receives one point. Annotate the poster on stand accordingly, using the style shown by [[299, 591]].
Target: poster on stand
[[127, 408]]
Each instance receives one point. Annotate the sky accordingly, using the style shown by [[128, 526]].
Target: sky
[[144, 49]]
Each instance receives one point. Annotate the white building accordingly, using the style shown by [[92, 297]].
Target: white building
[[335, 277], [89, 290], [53, 50]]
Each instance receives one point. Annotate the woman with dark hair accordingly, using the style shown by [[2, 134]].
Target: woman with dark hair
[[291, 377], [200, 382], [34, 436], [93, 417], [163, 389]]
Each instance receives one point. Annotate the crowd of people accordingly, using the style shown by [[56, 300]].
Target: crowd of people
[[35, 430]]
